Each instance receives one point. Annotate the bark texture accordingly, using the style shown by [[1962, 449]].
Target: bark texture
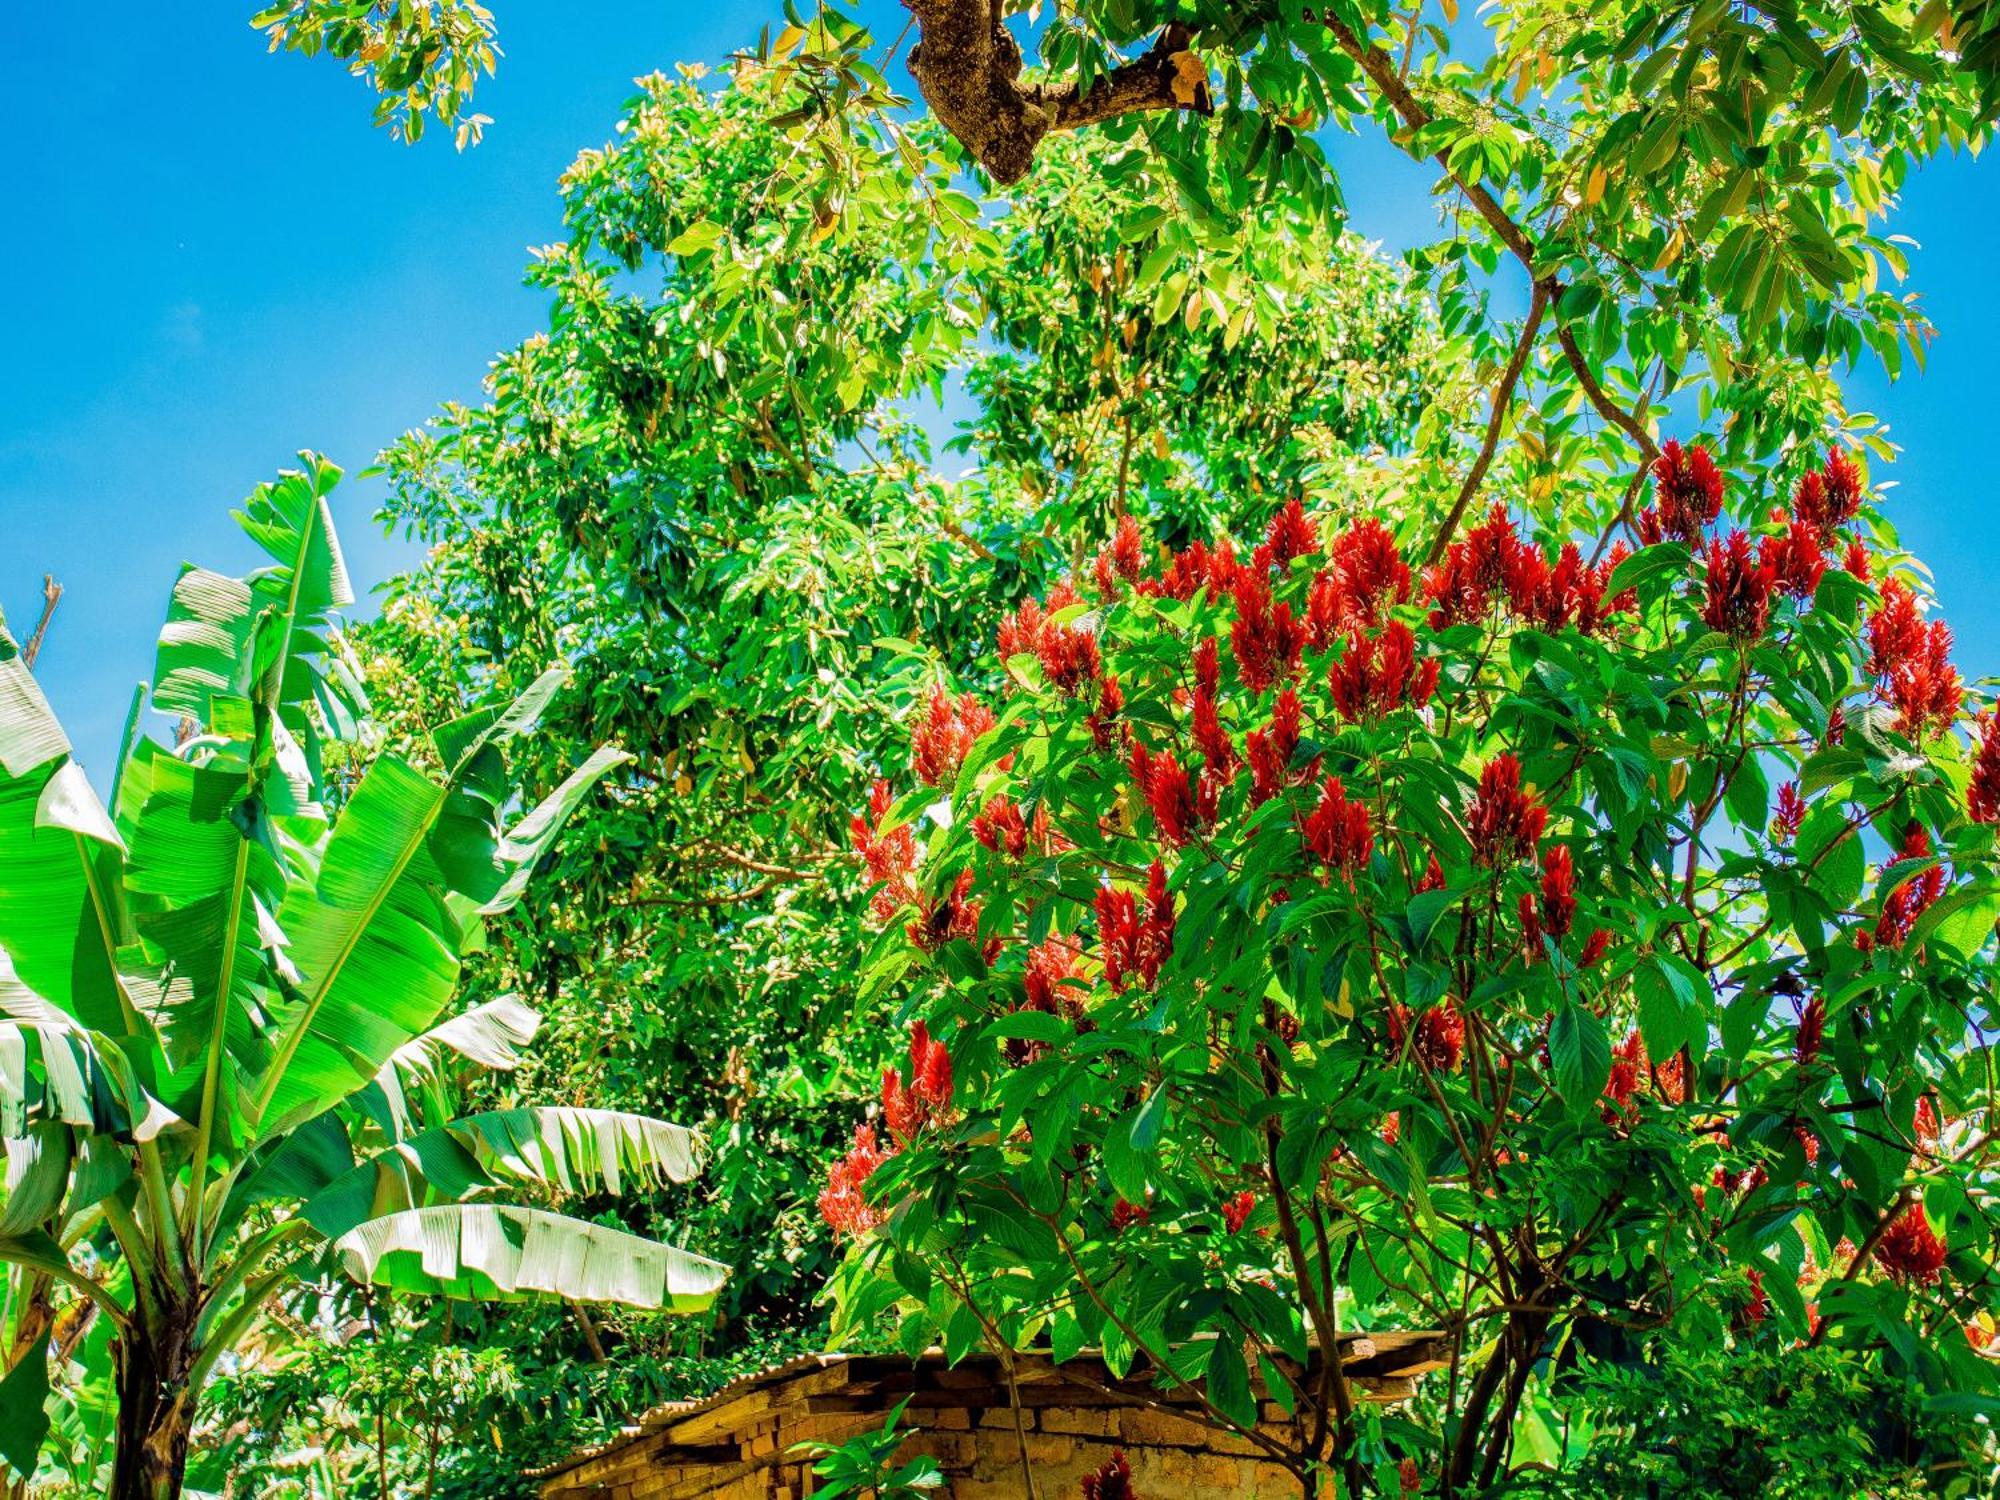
[[968, 68]]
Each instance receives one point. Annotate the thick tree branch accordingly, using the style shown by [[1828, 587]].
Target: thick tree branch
[[52, 593], [968, 68]]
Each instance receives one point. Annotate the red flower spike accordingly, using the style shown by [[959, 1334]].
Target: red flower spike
[[1453, 589], [1069, 657], [1136, 939], [1000, 827], [1164, 783], [908, 1107], [1595, 947], [1438, 1037], [1795, 560], [1910, 1250], [1982, 795], [889, 857], [1267, 640], [1371, 568], [843, 1202], [1531, 927], [1103, 719], [1291, 535], [1120, 560], [1327, 610], [1811, 1034], [1828, 498], [1124, 1215], [1111, 1482], [1392, 1127], [1218, 751], [1739, 589], [939, 743], [1558, 891], [1207, 668], [1687, 490], [1628, 1077], [1271, 749], [1908, 900], [954, 917], [1759, 1306], [1236, 1211], [1855, 560], [1504, 822], [1896, 634], [1791, 813], [1339, 833], [1432, 879], [1925, 1123], [1912, 658]]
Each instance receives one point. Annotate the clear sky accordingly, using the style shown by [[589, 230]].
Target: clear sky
[[216, 260]]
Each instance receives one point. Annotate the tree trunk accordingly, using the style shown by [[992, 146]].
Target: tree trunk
[[155, 1415]]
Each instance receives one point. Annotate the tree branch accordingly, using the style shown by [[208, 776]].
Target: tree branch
[[52, 593], [1503, 401], [968, 68], [1381, 71]]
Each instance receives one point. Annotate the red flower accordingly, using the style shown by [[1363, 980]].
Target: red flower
[[1022, 631], [1124, 1215], [1759, 1306], [1112, 1482], [1374, 676], [1236, 1211], [1120, 560], [1268, 641], [1855, 560], [907, 1107], [842, 1202], [889, 856], [1811, 1035], [1433, 877], [1595, 947], [1069, 658], [1000, 827], [1337, 832], [1439, 1035], [1504, 822], [953, 918], [1558, 891], [1408, 1478], [1163, 781], [1908, 899], [1910, 1250], [1982, 796], [1207, 667], [1531, 927], [1795, 560], [1628, 1077], [1217, 749], [1687, 490], [1271, 750], [1827, 499], [1198, 568], [1739, 589], [1136, 941], [1104, 717], [1791, 813], [1371, 568], [939, 743], [1925, 1123], [1913, 660], [1392, 1127], [1327, 609], [1291, 535]]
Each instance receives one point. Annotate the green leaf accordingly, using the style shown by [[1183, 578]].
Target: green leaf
[[1580, 1049], [1229, 1379], [502, 1253], [24, 1418]]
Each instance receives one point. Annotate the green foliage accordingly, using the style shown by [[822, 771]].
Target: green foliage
[[423, 57], [216, 1002], [867, 1464], [1397, 950]]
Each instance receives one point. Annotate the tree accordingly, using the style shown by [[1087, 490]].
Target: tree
[[1309, 939], [222, 1008]]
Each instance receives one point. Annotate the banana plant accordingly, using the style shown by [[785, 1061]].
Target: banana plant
[[223, 1010]]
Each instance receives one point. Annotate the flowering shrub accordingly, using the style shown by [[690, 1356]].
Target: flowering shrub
[[1322, 942]]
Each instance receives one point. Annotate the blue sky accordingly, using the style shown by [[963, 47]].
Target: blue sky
[[216, 261]]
